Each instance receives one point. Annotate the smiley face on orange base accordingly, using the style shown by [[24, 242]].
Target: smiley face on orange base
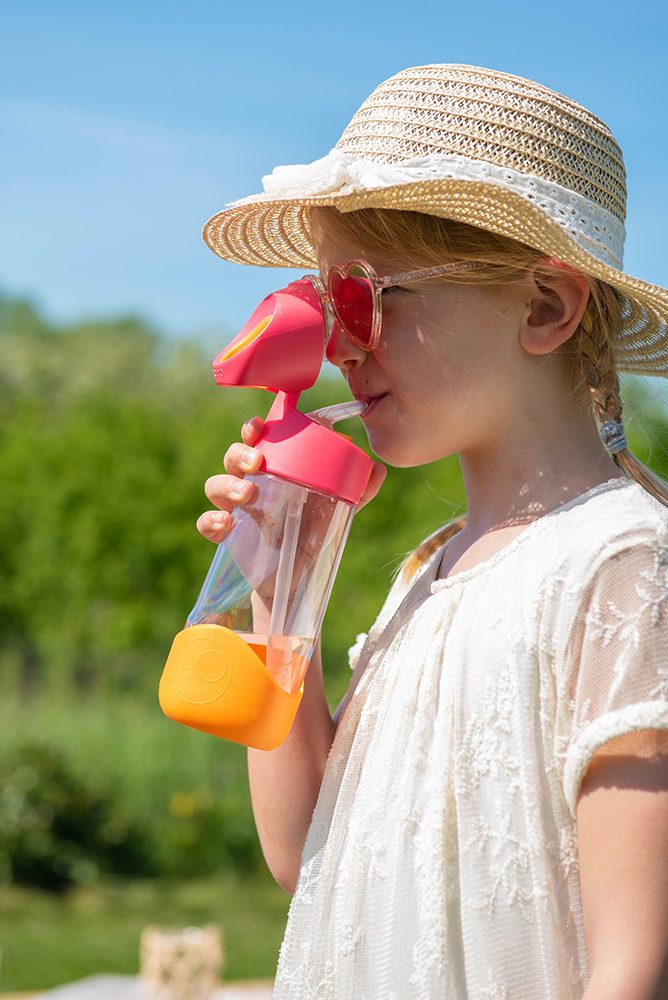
[[205, 675], [215, 682]]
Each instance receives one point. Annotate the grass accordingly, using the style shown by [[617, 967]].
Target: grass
[[47, 940], [150, 765], [124, 742]]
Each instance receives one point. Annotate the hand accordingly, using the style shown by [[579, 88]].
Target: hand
[[242, 458]]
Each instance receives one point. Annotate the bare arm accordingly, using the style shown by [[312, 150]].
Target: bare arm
[[622, 818], [285, 782]]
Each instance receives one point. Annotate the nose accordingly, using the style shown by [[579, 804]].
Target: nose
[[341, 350]]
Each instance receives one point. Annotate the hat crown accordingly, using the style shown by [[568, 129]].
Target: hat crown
[[479, 147], [493, 117]]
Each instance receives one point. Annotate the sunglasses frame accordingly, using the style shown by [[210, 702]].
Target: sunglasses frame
[[378, 284]]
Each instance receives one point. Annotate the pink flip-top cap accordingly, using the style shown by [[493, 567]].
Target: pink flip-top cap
[[281, 346], [297, 448], [281, 349]]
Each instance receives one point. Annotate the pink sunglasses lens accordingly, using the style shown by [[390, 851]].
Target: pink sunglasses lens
[[352, 300]]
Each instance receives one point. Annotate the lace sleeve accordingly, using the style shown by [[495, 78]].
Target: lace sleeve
[[614, 677]]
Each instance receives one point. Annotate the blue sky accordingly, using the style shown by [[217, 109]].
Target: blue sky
[[126, 125]]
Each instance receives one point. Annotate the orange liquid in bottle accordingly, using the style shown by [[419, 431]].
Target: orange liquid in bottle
[[286, 657]]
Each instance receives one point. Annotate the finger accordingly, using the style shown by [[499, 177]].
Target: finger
[[378, 474], [214, 524], [240, 459], [227, 492], [251, 430]]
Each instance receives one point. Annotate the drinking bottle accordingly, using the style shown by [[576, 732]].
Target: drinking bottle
[[237, 668]]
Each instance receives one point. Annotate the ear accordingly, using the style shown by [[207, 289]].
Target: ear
[[558, 298]]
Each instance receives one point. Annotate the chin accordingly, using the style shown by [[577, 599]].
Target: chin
[[402, 454]]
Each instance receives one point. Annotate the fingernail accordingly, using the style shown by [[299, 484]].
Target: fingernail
[[241, 490], [248, 457], [220, 520]]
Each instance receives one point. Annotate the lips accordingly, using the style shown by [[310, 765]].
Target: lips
[[369, 400]]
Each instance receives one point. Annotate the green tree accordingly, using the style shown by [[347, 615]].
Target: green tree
[[107, 433]]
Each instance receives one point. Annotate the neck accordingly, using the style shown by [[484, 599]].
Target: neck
[[532, 466]]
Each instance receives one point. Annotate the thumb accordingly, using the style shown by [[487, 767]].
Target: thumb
[[376, 480]]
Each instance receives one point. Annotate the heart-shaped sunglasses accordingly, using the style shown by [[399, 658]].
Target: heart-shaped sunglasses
[[354, 291]]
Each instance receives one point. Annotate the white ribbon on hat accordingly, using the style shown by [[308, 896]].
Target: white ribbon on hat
[[596, 230]]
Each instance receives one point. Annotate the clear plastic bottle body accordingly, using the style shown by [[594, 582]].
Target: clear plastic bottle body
[[272, 576]]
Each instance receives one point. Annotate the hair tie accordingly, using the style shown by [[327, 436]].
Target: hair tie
[[613, 437]]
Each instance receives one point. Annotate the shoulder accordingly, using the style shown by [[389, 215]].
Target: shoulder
[[629, 512], [616, 533], [583, 537], [609, 561], [631, 527]]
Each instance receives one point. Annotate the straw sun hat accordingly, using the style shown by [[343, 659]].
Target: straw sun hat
[[478, 146]]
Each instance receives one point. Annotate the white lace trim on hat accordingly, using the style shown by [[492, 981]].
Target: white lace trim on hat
[[595, 229]]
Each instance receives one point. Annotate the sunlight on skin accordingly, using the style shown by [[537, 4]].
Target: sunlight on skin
[[477, 370]]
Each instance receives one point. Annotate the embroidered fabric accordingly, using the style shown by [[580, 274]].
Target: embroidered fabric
[[596, 230], [441, 860], [619, 642]]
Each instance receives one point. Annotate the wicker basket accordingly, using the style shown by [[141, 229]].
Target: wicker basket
[[181, 963]]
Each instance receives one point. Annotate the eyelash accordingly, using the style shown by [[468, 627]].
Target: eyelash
[[392, 288]]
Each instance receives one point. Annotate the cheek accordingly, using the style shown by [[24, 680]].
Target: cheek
[[438, 353], [431, 366]]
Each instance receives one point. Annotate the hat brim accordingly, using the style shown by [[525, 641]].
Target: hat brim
[[271, 232]]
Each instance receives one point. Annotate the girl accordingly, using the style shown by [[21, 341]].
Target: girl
[[486, 815]]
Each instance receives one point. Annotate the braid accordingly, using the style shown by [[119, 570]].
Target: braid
[[598, 367], [600, 320], [430, 545]]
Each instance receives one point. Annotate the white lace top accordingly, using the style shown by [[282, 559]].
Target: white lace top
[[441, 862]]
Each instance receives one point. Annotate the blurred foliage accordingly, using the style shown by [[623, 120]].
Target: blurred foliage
[[56, 830], [175, 800], [107, 434]]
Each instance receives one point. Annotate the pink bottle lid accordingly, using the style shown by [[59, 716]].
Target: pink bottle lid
[[281, 349]]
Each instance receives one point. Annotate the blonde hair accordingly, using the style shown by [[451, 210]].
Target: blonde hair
[[414, 239]]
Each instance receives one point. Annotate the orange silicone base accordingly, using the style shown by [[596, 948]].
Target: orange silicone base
[[215, 682]]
